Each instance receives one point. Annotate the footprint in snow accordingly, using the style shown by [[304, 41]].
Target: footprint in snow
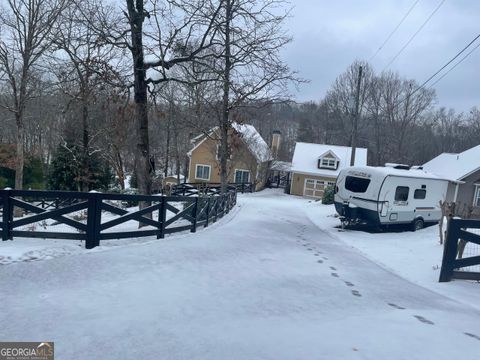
[[320, 261], [473, 336], [324, 258], [423, 320], [333, 268], [348, 283], [317, 254], [334, 274], [396, 306], [356, 293]]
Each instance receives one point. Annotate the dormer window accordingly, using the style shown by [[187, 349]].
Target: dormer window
[[328, 161]]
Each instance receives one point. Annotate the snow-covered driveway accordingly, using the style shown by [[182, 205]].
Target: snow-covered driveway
[[264, 283]]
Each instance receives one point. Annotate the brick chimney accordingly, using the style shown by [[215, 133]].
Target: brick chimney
[[276, 138]]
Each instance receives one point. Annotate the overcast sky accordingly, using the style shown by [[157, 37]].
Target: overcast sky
[[329, 35]]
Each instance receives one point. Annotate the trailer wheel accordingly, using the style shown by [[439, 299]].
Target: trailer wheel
[[417, 224]]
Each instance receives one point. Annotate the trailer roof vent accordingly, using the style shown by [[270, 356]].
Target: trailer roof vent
[[416, 168], [398, 166]]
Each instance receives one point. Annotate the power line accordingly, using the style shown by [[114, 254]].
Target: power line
[[443, 67], [414, 35], [458, 63], [394, 30]]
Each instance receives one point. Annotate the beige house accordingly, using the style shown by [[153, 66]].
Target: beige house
[[249, 161], [315, 166]]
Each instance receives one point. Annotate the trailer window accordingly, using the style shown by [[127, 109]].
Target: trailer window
[[401, 194], [356, 184], [420, 194]]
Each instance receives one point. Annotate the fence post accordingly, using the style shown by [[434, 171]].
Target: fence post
[[7, 216], [195, 215], [228, 201], [216, 207], [93, 221], [162, 217], [450, 250], [207, 211]]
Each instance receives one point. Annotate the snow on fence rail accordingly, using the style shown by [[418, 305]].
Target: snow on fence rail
[[97, 216], [191, 189], [461, 255]]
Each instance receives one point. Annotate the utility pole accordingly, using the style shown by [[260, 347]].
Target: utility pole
[[355, 117]]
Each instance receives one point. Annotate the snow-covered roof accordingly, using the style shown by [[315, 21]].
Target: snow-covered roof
[[305, 158], [176, 176], [250, 136], [255, 143], [281, 165], [455, 166]]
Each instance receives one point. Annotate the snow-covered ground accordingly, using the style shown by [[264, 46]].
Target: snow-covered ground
[[415, 256], [264, 282]]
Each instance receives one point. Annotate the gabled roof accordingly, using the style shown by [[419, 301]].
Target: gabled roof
[[306, 155], [250, 136], [330, 154], [455, 166]]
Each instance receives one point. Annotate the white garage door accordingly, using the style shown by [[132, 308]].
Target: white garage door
[[314, 188]]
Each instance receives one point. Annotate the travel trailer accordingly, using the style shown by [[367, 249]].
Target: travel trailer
[[394, 194]]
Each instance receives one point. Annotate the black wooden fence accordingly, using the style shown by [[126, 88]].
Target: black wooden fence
[[86, 209], [190, 189], [450, 264]]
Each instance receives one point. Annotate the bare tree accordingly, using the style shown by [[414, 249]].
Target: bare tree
[[26, 28], [157, 34], [85, 71], [249, 40]]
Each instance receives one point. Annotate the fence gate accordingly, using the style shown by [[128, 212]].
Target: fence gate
[[461, 255]]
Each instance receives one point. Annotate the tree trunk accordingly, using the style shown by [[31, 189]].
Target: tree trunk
[[119, 167], [20, 156], [167, 150], [224, 121], [142, 151], [85, 165]]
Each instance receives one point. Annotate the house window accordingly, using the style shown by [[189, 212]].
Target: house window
[[420, 194], [401, 194], [242, 176], [202, 172], [476, 201], [327, 163]]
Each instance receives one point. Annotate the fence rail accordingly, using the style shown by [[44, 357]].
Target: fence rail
[[191, 189], [452, 262], [85, 214]]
